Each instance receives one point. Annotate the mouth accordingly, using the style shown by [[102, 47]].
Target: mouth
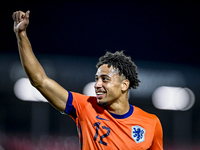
[[100, 94]]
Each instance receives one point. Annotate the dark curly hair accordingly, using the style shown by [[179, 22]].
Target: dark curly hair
[[123, 64]]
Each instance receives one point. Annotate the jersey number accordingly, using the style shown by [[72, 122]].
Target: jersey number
[[97, 125]]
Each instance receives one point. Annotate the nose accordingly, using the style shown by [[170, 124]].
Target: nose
[[98, 84]]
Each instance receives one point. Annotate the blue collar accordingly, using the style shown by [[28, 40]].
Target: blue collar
[[126, 115]]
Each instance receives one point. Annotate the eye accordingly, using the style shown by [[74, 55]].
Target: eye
[[104, 79], [96, 79]]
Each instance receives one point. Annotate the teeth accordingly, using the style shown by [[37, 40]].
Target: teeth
[[99, 93]]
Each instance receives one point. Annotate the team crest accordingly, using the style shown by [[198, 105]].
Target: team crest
[[138, 134]]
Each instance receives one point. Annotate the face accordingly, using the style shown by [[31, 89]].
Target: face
[[108, 86]]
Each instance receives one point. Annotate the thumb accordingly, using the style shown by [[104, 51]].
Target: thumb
[[27, 14]]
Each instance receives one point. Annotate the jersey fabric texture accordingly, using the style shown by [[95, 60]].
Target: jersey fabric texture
[[102, 130]]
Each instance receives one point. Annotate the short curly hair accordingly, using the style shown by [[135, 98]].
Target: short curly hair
[[123, 64]]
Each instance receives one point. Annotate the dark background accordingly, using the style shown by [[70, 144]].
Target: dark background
[[163, 32]]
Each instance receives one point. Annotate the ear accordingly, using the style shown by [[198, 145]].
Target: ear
[[125, 85]]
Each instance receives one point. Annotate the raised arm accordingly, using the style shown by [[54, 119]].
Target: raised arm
[[51, 90]]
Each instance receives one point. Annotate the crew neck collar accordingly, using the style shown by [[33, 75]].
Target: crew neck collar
[[126, 115]]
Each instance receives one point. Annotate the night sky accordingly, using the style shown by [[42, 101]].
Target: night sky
[[162, 31]]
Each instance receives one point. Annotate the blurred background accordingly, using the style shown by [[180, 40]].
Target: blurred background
[[68, 37]]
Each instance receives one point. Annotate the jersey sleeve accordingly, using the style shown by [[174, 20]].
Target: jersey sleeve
[[157, 143], [75, 103]]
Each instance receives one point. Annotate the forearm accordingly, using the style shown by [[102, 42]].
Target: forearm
[[29, 62], [50, 89]]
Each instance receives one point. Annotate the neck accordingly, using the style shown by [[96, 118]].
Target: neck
[[119, 108]]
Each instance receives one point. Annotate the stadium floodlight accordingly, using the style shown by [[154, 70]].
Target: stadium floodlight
[[89, 89], [25, 91], [173, 98]]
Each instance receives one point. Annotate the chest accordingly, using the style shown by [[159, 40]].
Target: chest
[[107, 132]]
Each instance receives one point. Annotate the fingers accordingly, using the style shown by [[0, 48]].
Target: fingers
[[14, 16], [19, 16]]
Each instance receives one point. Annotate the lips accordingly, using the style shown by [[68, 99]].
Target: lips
[[100, 94]]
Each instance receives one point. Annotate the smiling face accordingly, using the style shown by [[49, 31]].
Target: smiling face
[[109, 86]]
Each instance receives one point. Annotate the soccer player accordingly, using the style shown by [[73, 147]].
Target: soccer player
[[106, 121]]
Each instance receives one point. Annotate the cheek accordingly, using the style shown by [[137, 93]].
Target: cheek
[[115, 91]]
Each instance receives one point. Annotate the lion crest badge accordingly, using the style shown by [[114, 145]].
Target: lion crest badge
[[138, 134]]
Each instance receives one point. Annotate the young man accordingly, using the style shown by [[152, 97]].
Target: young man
[[106, 121]]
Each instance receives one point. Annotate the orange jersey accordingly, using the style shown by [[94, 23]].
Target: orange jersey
[[102, 130]]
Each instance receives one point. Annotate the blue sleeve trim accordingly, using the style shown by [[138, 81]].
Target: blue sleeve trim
[[69, 109]]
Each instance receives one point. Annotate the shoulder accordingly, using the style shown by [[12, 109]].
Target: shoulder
[[79, 96], [138, 112], [80, 102], [146, 119], [80, 99]]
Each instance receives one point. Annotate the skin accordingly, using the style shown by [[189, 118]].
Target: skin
[[51, 90], [113, 88]]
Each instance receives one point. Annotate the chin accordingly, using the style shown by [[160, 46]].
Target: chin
[[101, 103]]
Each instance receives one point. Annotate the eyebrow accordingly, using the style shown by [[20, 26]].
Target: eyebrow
[[103, 75]]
